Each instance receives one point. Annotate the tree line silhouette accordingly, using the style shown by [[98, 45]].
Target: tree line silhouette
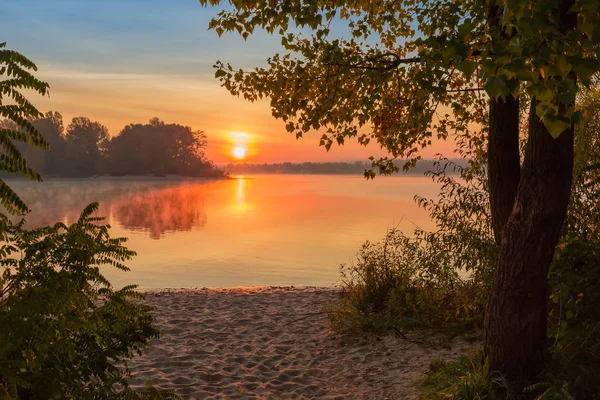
[[84, 148], [329, 168]]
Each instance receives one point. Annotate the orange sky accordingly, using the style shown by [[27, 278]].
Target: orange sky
[[119, 63], [118, 99]]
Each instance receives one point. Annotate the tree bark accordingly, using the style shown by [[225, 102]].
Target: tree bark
[[515, 322], [504, 164]]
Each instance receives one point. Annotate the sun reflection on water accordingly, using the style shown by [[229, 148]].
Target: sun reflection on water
[[248, 230], [241, 204]]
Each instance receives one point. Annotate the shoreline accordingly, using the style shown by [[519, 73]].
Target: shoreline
[[125, 178], [241, 288], [273, 342]]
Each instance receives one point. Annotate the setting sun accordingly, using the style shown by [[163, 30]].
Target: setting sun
[[239, 152]]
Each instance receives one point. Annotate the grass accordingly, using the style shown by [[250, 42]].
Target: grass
[[463, 379]]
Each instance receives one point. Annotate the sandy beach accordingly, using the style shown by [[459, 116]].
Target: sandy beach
[[272, 343]]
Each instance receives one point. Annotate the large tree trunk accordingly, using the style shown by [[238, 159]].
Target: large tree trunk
[[504, 164], [515, 322]]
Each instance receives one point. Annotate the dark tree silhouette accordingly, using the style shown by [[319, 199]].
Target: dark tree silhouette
[[51, 161], [85, 149], [159, 148], [87, 145]]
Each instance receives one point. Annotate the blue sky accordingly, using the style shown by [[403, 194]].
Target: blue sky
[[133, 36]]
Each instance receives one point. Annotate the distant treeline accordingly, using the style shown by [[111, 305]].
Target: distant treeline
[[357, 167], [84, 148]]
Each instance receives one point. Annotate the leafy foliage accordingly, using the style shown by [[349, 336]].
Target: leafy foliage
[[400, 73], [16, 75], [404, 282], [63, 328]]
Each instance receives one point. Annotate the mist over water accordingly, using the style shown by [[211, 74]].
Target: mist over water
[[253, 230]]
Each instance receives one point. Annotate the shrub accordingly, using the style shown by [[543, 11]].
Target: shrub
[[429, 278], [574, 320], [63, 329], [403, 282]]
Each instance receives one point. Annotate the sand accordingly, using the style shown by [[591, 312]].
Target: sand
[[249, 343]]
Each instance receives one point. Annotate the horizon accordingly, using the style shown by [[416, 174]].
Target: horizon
[[119, 63]]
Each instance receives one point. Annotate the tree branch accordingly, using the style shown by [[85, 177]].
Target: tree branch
[[391, 63]]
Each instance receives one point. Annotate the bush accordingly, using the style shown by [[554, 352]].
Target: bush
[[429, 278], [63, 329], [393, 284], [574, 319]]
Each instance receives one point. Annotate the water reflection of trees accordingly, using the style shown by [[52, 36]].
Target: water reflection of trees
[[159, 211], [154, 206]]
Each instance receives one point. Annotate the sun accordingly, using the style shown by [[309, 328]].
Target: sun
[[239, 152]]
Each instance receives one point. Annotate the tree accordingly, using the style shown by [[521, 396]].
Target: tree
[[159, 148], [15, 70], [51, 127], [399, 73], [46, 161], [87, 144]]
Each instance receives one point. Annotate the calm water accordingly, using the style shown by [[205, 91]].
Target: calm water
[[257, 230]]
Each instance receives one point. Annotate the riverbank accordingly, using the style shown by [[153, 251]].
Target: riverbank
[[274, 343], [143, 178]]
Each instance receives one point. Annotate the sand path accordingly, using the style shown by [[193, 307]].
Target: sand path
[[239, 343]]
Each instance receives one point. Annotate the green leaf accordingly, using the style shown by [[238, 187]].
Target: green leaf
[[496, 86], [541, 92], [465, 29], [545, 110], [219, 73], [516, 66], [563, 65], [468, 67], [585, 68], [577, 117], [16, 75], [555, 126]]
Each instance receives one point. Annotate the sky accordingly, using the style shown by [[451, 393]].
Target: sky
[[126, 61]]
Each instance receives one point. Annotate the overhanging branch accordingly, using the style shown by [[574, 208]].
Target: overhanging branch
[[380, 58], [388, 64]]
